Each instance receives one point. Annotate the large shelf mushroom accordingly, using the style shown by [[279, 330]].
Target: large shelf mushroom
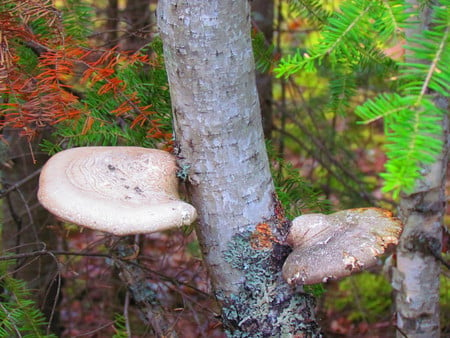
[[120, 190], [328, 247]]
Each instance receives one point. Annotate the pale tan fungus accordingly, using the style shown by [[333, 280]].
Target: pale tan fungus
[[329, 247], [120, 190]]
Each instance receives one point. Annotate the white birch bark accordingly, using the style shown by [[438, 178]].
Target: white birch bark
[[219, 143], [217, 125], [417, 271], [416, 275]]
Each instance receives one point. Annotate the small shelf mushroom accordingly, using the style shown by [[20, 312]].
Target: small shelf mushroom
[[328, 247], [120, 190]]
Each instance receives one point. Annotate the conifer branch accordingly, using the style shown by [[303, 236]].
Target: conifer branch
[[411, 119], [433, 66]]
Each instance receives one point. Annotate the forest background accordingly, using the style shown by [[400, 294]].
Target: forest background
[[79, 73]]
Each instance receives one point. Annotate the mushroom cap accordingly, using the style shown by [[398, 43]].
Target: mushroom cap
[[120, 190], [328, 247]]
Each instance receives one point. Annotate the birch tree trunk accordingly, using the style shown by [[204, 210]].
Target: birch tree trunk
[[417, 271], [220, 146]]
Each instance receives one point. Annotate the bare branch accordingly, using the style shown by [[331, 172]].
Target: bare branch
[[18, 184]]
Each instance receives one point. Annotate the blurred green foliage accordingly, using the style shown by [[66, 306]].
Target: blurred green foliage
[[364, 297], [19, 314], [368, 297], [353, 45]]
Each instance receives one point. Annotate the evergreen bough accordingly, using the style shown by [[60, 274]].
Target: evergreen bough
[[354, 39], [19, 315]]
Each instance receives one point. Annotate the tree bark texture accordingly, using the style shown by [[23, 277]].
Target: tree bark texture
[[220, 146], [217, 123], [417, 271]]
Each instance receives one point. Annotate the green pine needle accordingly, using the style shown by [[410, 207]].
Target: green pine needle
[[19, 315], [350, 43]]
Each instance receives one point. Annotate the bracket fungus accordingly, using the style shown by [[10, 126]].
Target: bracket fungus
[[329, 247], [120, 190]]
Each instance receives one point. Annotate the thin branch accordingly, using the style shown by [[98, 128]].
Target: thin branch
[[100, 255], [125, 313], [56, 297], [98, 329], [401, 332], [30, 216], [18, 184], [56, 253], [438, 256], [326, 165], [433, 67]]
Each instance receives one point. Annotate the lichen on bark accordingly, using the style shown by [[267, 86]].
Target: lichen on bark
[[219, 135], [265, 304]]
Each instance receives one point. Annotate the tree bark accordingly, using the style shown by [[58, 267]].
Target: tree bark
[[417, 271], [220, 146]]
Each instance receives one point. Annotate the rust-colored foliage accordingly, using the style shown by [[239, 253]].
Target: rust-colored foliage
[[52, 92]]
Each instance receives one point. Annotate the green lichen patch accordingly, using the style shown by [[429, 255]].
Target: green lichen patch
[[265, 305]]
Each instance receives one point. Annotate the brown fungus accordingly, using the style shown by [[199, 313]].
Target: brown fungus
[[329, 247], [119, 190]]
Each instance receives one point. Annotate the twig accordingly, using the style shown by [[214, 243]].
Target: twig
[[30, 216], [99, 255], [401, 332], [98, 329], [436, 254], [16, 185], [125, 313], [47, 252], [56, 297]]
